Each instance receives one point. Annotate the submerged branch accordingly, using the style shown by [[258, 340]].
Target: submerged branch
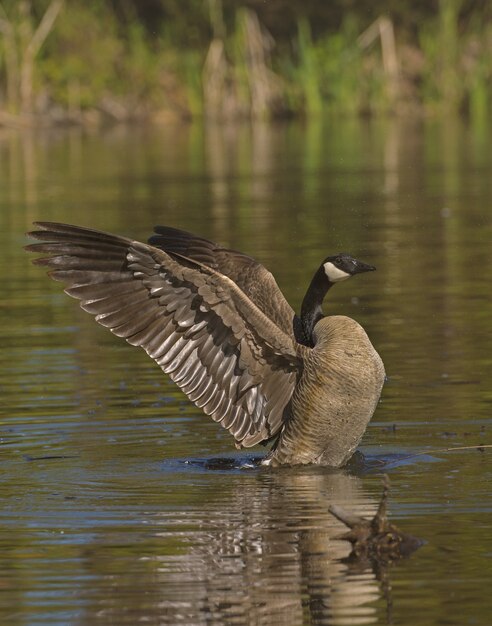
[[376, 539]]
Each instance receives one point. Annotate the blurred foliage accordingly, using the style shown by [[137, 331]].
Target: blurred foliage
[[84, 49], [135, 58]]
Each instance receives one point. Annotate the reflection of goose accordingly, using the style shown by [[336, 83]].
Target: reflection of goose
[[262, 549], [217, 323]]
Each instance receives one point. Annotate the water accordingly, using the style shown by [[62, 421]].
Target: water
[[110, 513]]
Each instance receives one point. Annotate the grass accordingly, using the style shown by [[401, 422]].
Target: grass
[[92, 61]]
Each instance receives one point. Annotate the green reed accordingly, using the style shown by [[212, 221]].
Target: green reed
[[95, 60], [457, 72]]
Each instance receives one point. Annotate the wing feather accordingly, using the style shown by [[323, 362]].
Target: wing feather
[[256, 282], [217, 344]]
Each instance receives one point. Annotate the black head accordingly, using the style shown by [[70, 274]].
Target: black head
[[343, 266]]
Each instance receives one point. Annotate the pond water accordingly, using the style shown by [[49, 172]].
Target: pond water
[[109, 512]]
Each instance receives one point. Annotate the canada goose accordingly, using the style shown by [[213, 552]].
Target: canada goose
[[217, 323]]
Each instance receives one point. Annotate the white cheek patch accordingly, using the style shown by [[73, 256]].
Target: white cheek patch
[[334, 274]]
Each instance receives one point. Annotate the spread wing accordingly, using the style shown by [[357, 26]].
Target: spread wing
[[251, 277], [227, 356]]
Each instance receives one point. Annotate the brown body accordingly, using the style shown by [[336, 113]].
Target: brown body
[[334, 399], [216, 322]]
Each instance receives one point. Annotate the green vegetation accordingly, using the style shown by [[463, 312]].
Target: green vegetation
[[90, 61]]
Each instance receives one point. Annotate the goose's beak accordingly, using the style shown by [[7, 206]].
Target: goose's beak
[[362, 267]]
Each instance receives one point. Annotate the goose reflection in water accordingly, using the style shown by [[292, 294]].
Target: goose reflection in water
[[261, 552]]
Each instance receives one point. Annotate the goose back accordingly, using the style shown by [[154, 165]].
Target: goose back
[[254, 280]]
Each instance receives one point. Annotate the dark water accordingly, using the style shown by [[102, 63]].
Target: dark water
[[109, 515]]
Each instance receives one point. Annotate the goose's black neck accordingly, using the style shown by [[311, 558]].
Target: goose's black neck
[[311, 311]]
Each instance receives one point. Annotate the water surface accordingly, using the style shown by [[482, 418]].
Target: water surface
[[109, 513]]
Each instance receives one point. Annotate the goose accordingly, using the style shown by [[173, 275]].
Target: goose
[[217, 324]]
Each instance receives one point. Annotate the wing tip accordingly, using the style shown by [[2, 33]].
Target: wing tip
[[44, 226]]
